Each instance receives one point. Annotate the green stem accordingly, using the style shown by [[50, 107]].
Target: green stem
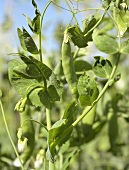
[[37, 128], [76, 53], [72, 12], [48, 119], [61, 160], [40, 34], [35, 122], [10, 138], [96, 23], [88, 108], [40, 46], [87, 9]]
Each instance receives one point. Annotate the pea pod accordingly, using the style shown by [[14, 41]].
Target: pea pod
[[28, 132], [87, 123], [113, 127], [68, 68]]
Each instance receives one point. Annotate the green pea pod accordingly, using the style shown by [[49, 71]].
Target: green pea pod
[[113, 126], [87, 123], [68, 68], [28, 132]]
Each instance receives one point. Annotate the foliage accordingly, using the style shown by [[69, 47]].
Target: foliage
[[75, 109]]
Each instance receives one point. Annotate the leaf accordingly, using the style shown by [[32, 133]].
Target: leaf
[[39, 97], [81, 65], [34, 24], [43, 69], [122, 19], [125, 47], [87, 89], [105, 44], [68, 158], [56, 83], [61, 131], [21, 38], [35, 6], [29, 42], [121, 22], [113, 126], [106, 3], [28, 71], [77, 36], [102, 67], [88, 23], [53, 93], [106, 26], [19, 83]]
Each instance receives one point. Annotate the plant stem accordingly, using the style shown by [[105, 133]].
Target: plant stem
[[96, 23], [40, 46], [40, 34], [72, 12], [10, 138], [48, 119], [35, 122], [88, 108]]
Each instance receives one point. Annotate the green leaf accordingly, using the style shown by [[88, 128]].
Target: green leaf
[[61, 131], [106, 3], [35, 6], [121, 18], [125, 47], [122, 22], [34, 24], [102, 67], [88, 23], [53, 93], [0, 93], [105, 44], [39, 97], [87, 89], [29, 42], [105, 26], [28, 71], [21, 38], [43, 69], [81, 65], [68, 158], [77, 36], [19, 83], [113, 126], [56, 83]]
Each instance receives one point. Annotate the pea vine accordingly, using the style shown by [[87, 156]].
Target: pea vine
[[41, 87]]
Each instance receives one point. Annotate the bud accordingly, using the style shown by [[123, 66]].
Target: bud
[[19, 133], [39, 159], [22, 144]]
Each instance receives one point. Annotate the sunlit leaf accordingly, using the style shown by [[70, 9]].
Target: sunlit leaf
[[39, 97], [87, 89], [125, 47], [81, 65], [61, 131], [29, 42], [88, 23], [21, 38], [106, 44], [19, 83], [102, 67]]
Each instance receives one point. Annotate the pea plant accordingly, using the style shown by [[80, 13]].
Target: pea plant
[[60, 107]]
